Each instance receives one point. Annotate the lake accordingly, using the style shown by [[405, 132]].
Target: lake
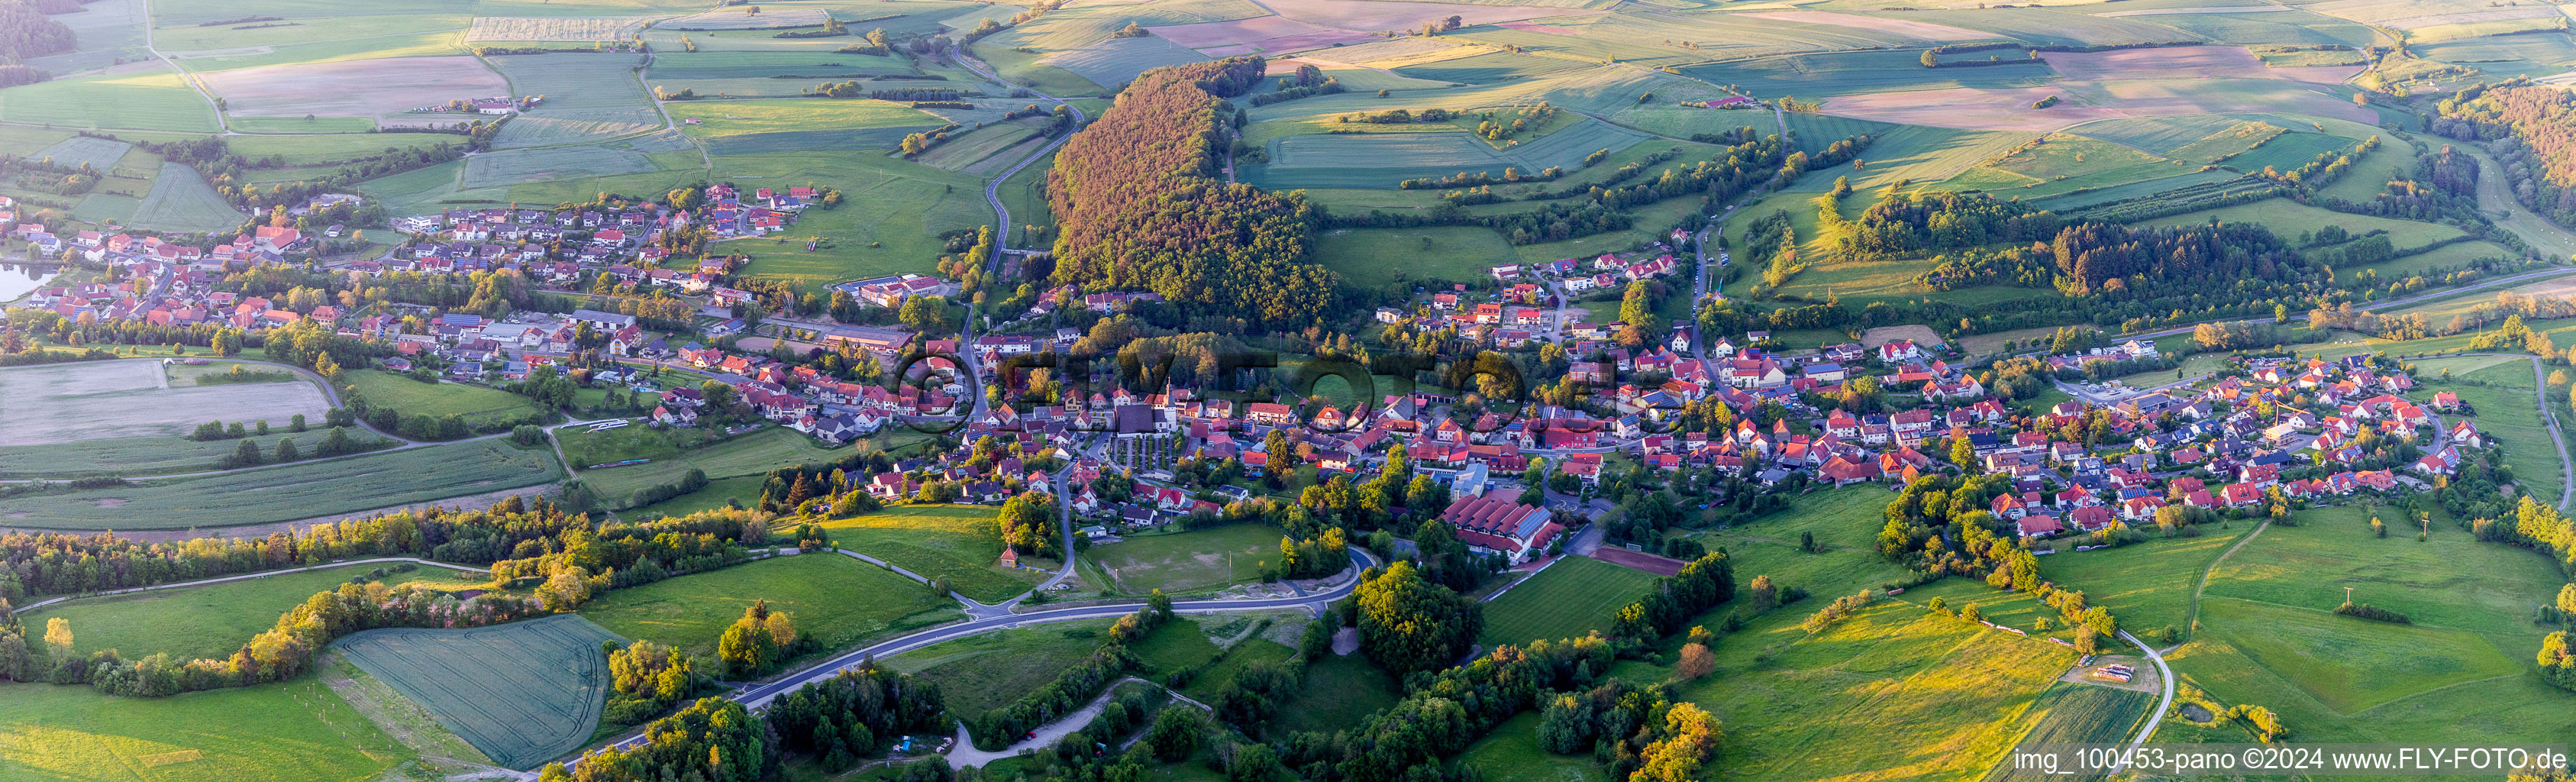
[[17, 279]]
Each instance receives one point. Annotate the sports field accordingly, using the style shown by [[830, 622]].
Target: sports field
[[411, 397], [291, 492], [211, 621], [75, 402], [1572, 597], [838, 600], [957, 543], [1186, 561], [522, 692], [294, 730]]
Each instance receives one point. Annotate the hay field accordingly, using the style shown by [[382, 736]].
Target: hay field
[[356, 88], [515, 166], [78, 151], [73, 402], [588, 97], [957, 543], [554, 28], [153, 98], [181, 200], [839, 601], [296, 730], [743, 19], [291, 492], [522, 692]]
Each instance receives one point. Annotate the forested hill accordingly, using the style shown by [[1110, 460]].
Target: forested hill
[[2540, 162], [1140, 204]]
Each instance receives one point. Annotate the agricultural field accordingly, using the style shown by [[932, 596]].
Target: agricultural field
[[291, 492], [960, 544], [839, 601], [78, 151], [142, 456], [1572, 597], [751, 453], [2081, 713], [891, 214], [2290, 219], [1367, 256], [522, 692], [751, 127], [75, 402], [303, 732], [2149, 585], [144, 99], [385, 89], [588, 97], [479, 405], [211, 621], [181, 200], [1360, 160], [1184, 562], [1809, 76], [2064, 164]]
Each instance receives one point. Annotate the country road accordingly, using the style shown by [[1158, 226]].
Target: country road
[[992, 189]]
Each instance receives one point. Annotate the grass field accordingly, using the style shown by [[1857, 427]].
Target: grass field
[[2081, 713], [133, 456], [889, 220], [2147, 585], [285, 730], [749, 127], [1377, 256], [291, 492], [978, 673], [77, 151], [583, 447], [1511, 753], [747, 454], [207, 622], [476, 403], [589, 97], [522, 692], [181, 200], [956, 543], [149, 100], [521, 166], [837, 600], [2289, 219], [1845, 73], [1187, 561], [1340, 691], [2505, 412], [1572, 597]]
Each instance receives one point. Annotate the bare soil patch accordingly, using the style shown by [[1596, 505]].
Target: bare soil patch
[[1921, 334], [1924, 30], [357, 88], [1374, 15]]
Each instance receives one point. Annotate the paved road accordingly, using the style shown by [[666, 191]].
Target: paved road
[[2158, 715], [992, 189], [2548, 415], [246, 576]]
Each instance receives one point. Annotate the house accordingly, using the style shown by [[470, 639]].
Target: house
[[1495, 522]]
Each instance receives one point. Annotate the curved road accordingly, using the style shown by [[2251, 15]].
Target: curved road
[[2158, 715], [992, 189]]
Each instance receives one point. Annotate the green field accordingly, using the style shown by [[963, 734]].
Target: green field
[[77, 151], [2288, 219], [2148, 585], [1511, 753], [1376, 256], [896, 205], [522, 692], [211, 621], [1186, 561], [2506, 413], [837, 600], [1370, 160], [145, 455], [589, 97], [1847, 73], [747, 454], [750, 127], [150, 100], [1572, 597], [956, 543], [583, 447], [181, 200], [1340, 691], [981, 672], [821, 66], [293, 491], [294, 730], [479, 405], [2079, 714]]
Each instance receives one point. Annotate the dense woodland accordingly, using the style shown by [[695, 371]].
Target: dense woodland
[[1140, 206], [2533, 132]]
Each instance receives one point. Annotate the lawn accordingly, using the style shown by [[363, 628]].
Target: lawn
[[292, 492], [522, 692], [956, 543], [837, 600], [979, 673], [294, 730], [752, 453], [1572, 597], [1373, 257], [478, 404], [1186, 561], [212, 621]]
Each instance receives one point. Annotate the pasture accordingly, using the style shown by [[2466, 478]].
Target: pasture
[[978, 673], [1575, 596], [589, 97], [479, 405], [74, 402], [889, 220], [960, 544], [290, 492], [837, 600], [752, 453], [211, 621], [302, 731], [79, 151], [2147, 586], [149, 99], [181, 200], [1184, 562], [521, 693], [1380, 256]]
